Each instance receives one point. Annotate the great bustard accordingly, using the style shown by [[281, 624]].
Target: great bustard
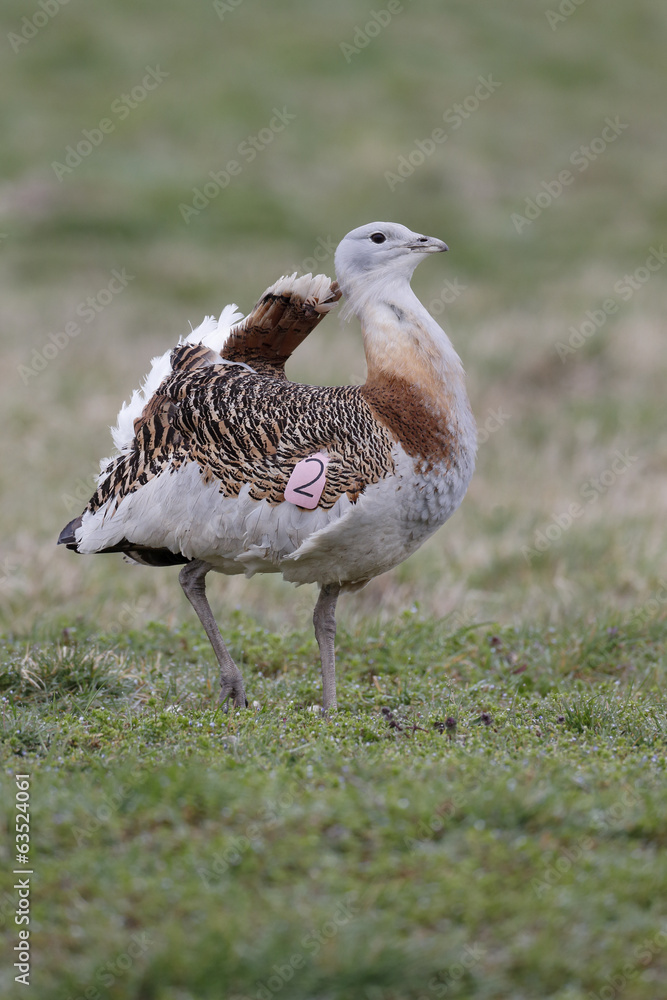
[[224, 464]]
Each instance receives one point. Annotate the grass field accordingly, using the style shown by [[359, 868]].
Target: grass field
[[386, 854], [181, 853]]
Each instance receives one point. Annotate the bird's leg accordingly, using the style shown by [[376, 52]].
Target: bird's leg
[[325, 632], [193, 581]]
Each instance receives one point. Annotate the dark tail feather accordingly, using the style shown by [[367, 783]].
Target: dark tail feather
[[68, 535], [141, 554]]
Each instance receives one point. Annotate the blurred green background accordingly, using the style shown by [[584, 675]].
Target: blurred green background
[[365, 87]]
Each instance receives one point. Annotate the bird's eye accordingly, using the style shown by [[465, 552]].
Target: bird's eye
[[378, 237]]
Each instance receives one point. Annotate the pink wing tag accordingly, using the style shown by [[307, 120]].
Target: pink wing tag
[[307, 481]]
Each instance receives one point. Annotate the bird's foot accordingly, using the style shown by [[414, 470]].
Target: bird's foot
[[233, 688]]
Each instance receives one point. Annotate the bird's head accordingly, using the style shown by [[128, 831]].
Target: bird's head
[[379, 252]]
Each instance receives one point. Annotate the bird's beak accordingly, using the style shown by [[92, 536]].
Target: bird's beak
[[426, 244]]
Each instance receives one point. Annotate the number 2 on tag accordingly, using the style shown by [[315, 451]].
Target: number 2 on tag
[[307, 481]]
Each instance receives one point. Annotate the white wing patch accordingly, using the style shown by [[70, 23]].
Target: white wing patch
[[211, 333]]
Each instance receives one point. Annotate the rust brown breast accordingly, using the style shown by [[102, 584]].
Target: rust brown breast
[[425, 427]]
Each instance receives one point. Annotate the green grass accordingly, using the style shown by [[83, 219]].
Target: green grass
[[517, 859], [488, 794]]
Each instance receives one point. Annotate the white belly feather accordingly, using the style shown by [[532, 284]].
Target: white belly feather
[[349, 543]]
